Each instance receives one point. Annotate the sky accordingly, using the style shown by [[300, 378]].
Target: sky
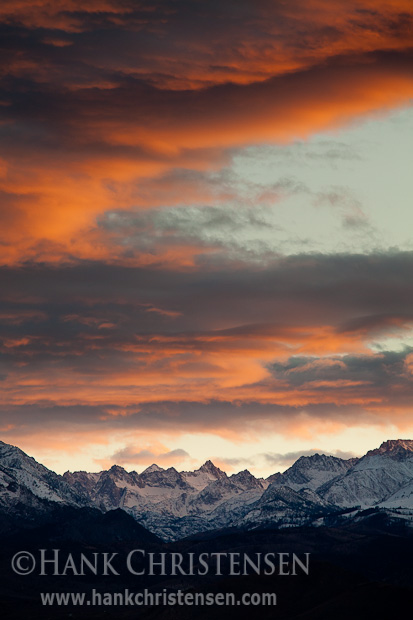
[[205, 230]]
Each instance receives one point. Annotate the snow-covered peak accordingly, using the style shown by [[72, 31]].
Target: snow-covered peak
[[11, 456], [118, 470], [30, 475], [202, 477], [162, 478], [312, 472], [245, 480], [152, 468], [209, 468], [321, 461], [393, 447]]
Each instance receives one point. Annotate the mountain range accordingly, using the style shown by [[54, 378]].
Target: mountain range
[[316, 490]]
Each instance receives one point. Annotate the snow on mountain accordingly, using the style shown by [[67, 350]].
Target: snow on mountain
[[274, 478], [155, 477], [231, 512], [203, 476], [246, 481], [82, 480], [376, 477], [157, 490], [175, 504], [403, 498], [312, 472], [166, 501], [20, 474], [219, 504], [282, 506], [152, 468], [212, 495]]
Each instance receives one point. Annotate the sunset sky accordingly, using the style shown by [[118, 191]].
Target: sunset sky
[[206, 215]]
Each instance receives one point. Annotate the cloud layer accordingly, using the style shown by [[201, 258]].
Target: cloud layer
[[139, 291], [98, 102], [294, 345]]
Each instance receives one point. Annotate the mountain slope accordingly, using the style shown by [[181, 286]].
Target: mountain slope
[[376, 477], [21, 475], [311, 472], [282, 506]]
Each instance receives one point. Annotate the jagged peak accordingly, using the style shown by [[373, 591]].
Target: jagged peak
[[81, 473], [117, 470], [245, 473], [209, 468], [20, 458], [152, 468], [312, 460], [171, 469], [392, 446], [317, 456]]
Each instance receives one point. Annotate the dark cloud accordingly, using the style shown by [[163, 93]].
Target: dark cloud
[[116, 332], [174, 418], [380, 371], [352, 292], [172, 39], [66, 115], [88, 314]]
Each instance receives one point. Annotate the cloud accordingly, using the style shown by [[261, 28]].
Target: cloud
[[252, 41], [353, 216], [101, 108], [231, 352], [129, 455], [375, 371], [232, 464], [195, 231], [328, 153]]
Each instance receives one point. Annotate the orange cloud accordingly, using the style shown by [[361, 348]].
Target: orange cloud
[[222, 365], [84, 137]]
